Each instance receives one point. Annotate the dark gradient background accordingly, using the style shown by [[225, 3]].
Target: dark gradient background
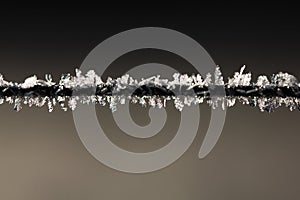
[[257, 156]]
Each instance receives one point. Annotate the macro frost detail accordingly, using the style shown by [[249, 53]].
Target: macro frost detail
[[281, 89]]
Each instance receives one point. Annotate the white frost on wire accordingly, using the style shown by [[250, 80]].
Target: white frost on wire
[[125, 82]]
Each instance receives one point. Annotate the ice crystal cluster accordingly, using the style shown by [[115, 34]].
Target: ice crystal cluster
[[267, 94]]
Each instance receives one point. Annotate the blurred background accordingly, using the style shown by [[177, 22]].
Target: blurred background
[[256, 157]]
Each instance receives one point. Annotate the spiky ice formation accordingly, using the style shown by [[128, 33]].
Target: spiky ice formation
[[281, 89]]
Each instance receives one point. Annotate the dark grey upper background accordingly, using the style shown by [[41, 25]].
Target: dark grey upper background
[[41, 156]]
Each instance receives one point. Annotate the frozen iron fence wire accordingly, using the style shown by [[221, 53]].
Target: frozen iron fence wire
[[267, 93]]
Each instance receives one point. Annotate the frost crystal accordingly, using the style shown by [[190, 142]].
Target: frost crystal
[[218, 77], [29, 82], [178, 104], [240, 79], [262, 81], [1, 80], [284, 80]]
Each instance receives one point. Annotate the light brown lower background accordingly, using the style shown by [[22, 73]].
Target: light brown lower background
[[256, 158]]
